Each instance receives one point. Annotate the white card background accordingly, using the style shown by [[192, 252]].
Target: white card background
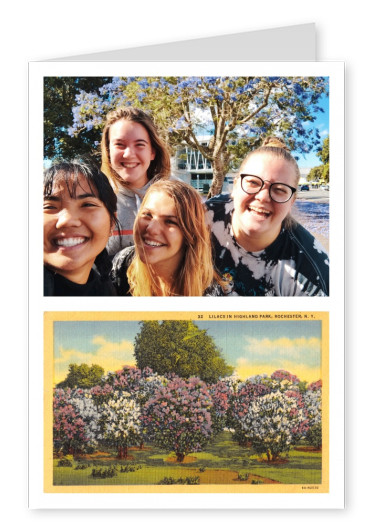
[[41, 30], [333, 304]]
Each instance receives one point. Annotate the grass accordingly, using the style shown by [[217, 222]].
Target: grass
[[221, 463]]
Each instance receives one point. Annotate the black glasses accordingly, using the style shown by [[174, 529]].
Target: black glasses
[[279, 192]]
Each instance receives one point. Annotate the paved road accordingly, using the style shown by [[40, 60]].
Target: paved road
[[315, 196], [311, 209]]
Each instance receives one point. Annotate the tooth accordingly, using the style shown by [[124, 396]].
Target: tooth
[[153, 244], [70, 242]]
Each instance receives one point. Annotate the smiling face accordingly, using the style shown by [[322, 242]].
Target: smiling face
[[76, 230], [257, 220], [131, 152], [158, 236]]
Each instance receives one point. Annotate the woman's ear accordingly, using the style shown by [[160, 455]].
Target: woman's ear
[[233, 187], [113, 223]]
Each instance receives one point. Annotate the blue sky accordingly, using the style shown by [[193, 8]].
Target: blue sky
[[322, 123], [252, 347]]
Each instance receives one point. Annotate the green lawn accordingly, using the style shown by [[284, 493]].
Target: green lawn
[[220, 463]]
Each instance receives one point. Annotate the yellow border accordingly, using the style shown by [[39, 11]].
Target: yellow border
[[51, 317]]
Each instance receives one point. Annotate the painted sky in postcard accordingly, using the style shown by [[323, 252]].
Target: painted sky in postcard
[[252, 347]]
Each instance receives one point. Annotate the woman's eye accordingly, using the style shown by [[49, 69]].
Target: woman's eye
[[253, 182], [49, 207], [280, 191], [171, 222]]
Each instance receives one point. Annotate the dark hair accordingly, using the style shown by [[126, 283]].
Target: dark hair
[[69, 172]]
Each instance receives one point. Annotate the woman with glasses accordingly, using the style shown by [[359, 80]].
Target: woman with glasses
[[260, 249]]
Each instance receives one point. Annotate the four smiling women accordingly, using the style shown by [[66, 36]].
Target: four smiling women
[[161, 230]]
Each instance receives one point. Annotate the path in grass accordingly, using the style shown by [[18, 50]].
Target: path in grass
[[221, 463]]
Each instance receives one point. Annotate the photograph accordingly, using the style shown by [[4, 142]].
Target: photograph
[[186, 186]]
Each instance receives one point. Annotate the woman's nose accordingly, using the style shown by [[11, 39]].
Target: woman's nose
[[67, 217], [153, 226], [127, 152], [263, 193]]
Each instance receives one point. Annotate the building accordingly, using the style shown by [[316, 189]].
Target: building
[[190, 166]]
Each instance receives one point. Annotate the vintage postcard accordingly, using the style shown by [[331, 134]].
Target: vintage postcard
[[186, 403]]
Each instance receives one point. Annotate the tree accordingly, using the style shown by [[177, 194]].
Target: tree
[[270, 423], [179, 347], [240, 402], [235, 111], [313, 404], [59, 98], [141, 384], [281, 376], [75, 428], [120, 421], [178, 417], [221, 394], [315, 174], [321, 172], [82, 376]]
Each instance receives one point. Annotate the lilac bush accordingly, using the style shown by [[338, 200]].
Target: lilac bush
[[71, 434], [178, 417], [270, 422], [120, 422]]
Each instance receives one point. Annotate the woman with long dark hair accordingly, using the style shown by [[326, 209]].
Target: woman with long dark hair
[[79, 214]]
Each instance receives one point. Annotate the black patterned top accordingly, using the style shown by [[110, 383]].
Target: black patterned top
[[295, 264]]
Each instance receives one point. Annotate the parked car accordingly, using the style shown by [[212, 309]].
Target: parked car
[[304, 188]]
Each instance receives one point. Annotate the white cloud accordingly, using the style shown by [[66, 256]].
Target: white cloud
[[109, 355], [305, 350]]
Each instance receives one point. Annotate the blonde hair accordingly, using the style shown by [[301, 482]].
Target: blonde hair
[[159, 168], [275, 147], [196, 272]]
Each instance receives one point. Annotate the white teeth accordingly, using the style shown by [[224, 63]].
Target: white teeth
[[260, 210], [69, 242], [130, 165], [153, 244]]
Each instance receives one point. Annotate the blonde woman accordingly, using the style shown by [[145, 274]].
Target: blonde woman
[[172, 253], [259, 248], [134, 156]]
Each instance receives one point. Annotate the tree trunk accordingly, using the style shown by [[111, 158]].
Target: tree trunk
[[220, 167], [122, 452], [179, 457]]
